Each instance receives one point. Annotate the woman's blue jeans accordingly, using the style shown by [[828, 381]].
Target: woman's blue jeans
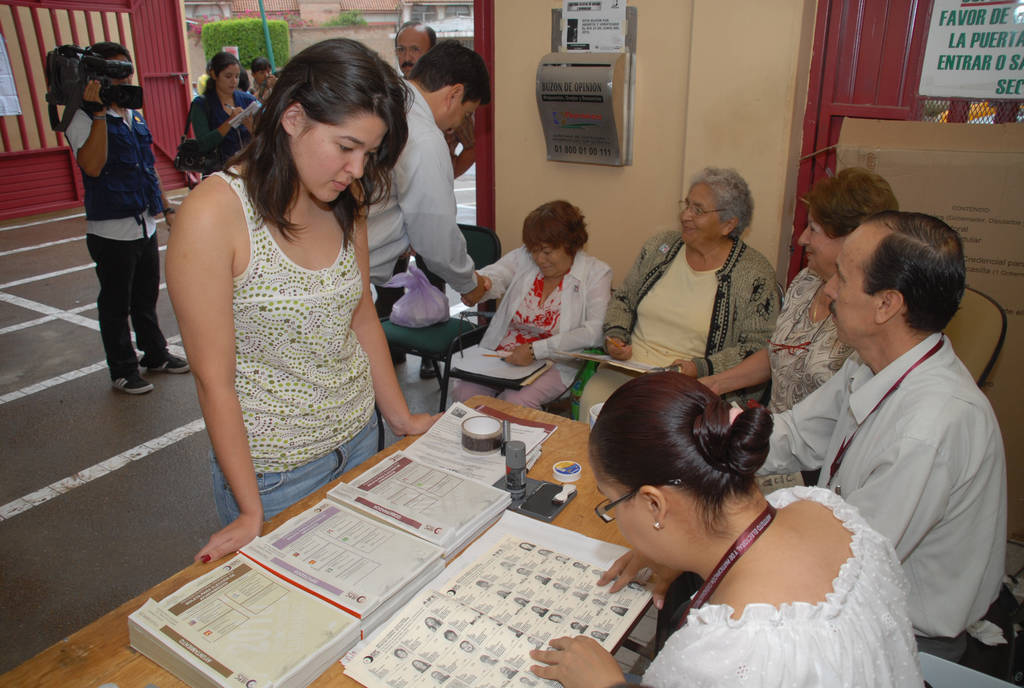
[[278, 491]]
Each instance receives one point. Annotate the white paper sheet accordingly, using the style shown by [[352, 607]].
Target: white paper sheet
[[441, 446], [349, 559], [488, 362], [432, 503]]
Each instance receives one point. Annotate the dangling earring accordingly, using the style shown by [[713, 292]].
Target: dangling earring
[[657, 525]]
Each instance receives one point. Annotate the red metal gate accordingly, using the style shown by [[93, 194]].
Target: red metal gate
[[37, 170]]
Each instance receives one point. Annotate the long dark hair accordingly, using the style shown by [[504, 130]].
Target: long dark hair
[[669, 429], [331, 80], [218, 63]]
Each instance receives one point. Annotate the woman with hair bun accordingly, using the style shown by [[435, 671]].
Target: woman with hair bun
[[799, 590]]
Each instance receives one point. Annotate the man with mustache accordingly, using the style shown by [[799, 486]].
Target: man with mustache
[[902, 431]]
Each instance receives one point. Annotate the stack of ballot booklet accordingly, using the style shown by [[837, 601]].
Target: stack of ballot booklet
[[372, 555], [242, 619], [437, 505]]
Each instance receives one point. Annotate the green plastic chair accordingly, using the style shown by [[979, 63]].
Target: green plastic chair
[[437, 343]]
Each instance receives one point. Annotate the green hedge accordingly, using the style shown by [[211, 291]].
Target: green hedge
[[247, 34]]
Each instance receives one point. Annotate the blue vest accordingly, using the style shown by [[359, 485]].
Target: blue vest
[[127, 185]]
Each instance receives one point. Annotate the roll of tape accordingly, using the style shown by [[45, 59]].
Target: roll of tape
[[567, 471], [481, 434]]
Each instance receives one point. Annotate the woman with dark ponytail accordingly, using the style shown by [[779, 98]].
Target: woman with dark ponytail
[[798, 590]]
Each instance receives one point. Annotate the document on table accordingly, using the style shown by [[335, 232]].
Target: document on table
[[344, 557], [437, 505], [239, 620], [441, 446], [478, 628]]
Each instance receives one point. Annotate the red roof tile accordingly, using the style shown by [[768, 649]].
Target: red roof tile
[[370, 5], [268, 5]]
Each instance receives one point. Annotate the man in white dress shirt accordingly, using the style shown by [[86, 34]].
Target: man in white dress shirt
[[903, 432], [447, 85]]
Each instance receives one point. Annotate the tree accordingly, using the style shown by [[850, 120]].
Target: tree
[[349, 18]]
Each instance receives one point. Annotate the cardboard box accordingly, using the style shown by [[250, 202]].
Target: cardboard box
[[971, 176]]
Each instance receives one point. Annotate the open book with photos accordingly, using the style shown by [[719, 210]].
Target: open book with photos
[[478, 629]]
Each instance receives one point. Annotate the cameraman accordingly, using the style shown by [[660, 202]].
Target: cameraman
[[122, 201]]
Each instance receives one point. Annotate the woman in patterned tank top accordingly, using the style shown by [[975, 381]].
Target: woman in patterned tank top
[[268, 272]]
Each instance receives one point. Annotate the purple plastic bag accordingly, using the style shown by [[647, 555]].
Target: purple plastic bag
[[422, 305]]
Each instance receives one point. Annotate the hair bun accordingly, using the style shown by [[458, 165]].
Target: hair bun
[[730, 442]]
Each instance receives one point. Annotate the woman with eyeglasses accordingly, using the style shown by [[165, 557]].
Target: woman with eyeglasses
[[804, 350], [699, 299], [798, 589]]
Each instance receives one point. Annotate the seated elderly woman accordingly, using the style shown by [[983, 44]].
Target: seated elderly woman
[[799, 590], [555, 297], [700, 299], [804, 350]]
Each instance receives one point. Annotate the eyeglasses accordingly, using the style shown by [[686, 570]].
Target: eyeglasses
[[605, 509], [697, 211]]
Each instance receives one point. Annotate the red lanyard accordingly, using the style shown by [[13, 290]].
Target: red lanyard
[[836, 462], [744, 542]]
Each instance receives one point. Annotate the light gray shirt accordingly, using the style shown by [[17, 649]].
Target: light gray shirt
[[421, 209], [123, 228], [926, 468]]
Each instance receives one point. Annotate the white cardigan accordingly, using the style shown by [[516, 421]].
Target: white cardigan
[[586, 290]]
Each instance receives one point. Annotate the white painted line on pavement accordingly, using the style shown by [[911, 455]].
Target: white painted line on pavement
[[48, 275], [56, 313], [74, 375], [34, 499], [42, 222], [56, 273], [48, 244], [43, 320]]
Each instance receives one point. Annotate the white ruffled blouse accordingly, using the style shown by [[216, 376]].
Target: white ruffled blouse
[[859, 636]]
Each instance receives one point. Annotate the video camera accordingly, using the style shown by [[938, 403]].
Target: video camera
[[69, 69]]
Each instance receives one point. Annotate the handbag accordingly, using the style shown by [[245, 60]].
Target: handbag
[[190, 159]]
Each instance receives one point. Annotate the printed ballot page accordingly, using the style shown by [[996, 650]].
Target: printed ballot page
[[438, 641], [435, 504], [348, 559], [478, 628], [240, 624], [441, 446]]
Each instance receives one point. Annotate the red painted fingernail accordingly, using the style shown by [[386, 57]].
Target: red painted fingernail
[[206, 558]]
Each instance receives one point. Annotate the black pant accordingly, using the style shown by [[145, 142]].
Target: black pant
[[129, 274]]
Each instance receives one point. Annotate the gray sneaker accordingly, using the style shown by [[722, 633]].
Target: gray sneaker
[[171, 364], [132, 384]]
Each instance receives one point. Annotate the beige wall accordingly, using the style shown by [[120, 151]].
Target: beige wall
[[731, 92]]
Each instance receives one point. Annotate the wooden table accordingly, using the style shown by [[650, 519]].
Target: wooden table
[[99, 653]]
